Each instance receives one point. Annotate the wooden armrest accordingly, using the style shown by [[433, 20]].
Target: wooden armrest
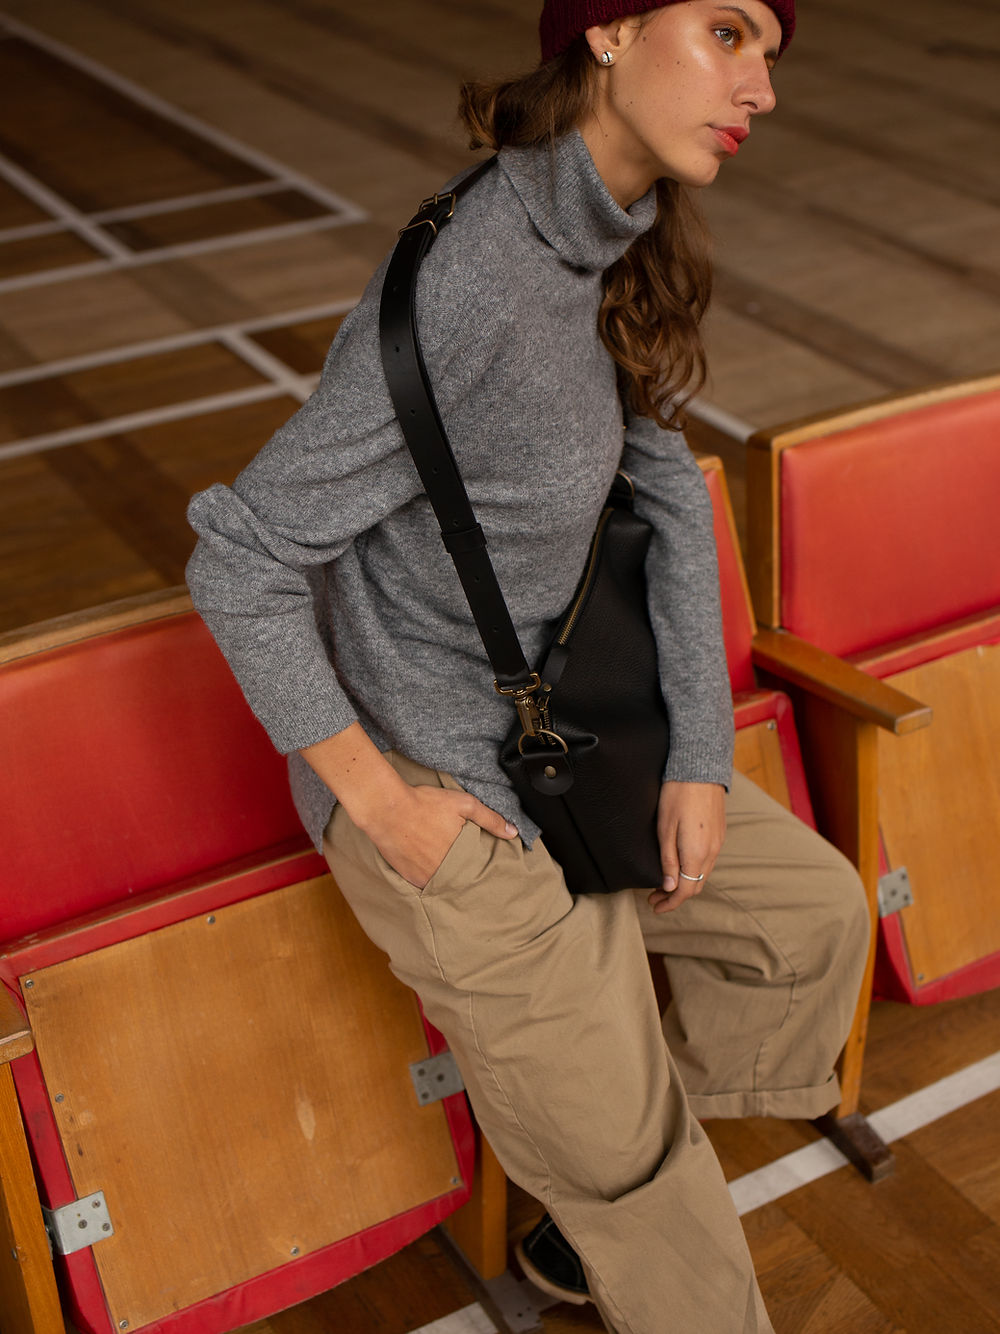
[[94, 621], [830, 678], [15, 1035]]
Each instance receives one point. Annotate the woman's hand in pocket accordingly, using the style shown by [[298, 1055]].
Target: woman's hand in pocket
[[416, 827], [412, 827]]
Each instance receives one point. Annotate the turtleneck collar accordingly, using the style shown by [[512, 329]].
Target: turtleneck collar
[[570, 205]]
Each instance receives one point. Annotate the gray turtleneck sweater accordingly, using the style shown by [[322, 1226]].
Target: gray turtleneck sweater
[[321, 572]]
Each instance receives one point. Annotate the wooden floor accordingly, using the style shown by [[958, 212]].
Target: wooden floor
[[190, 192], [193, 192]]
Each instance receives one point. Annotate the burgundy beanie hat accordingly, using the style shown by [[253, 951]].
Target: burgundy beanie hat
[[563, 20]]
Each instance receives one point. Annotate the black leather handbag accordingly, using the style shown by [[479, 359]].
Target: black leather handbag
[[588, 748]]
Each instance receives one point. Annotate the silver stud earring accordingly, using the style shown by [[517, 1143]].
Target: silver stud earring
[[607, 58]]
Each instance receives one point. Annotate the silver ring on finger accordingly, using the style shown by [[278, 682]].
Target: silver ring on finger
[[684, 876]]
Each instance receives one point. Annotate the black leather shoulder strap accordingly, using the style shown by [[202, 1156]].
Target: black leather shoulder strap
[[413, 399]]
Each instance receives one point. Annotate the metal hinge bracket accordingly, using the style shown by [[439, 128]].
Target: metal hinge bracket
[[894, 892], [436, 1078], [73, 1227]]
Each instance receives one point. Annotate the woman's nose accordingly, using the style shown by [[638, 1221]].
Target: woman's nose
[[758, 94]]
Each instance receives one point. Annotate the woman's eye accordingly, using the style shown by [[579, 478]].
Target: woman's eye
[[731, 36]]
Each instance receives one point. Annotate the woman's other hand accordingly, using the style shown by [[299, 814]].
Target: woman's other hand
[[691, 823]]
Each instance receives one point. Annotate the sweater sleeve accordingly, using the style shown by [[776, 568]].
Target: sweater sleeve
[[335, 470], [684, 601]]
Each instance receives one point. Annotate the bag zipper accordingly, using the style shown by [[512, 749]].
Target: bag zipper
[[588, 576]]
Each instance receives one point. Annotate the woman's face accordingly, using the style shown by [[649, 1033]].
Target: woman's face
[[679, 96]]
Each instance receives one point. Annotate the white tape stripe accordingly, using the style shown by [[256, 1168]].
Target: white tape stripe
[[135, 421], [29, 231], [919, 1109], [52, 203], [470, 1320], [168, 111], [233, 239], [86, 226], [786, 1174], [298, 386], [46, 277], [129, 259], [173, 343], [176, 203], [936, 1100], [304, 315]]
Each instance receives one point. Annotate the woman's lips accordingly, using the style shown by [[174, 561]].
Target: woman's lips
[[730, 137]]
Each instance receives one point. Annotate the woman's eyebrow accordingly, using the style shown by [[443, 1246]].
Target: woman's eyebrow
[[755, 28]]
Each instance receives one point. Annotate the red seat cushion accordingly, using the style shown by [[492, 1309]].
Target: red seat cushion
[[890, 529], [130, 760]]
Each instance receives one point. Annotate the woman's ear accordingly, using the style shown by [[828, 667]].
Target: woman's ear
[[609, 41]]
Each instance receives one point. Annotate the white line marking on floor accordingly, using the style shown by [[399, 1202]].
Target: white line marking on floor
[[786, 1174], [71, 218], [45, 370], [156, 207], [29, 231], [46, 277], [936, 1100], [140, 258], [137, 421], [911, 1113], [470, 1320], [87, 226], [136, 93], [298, 386], [176, 203], [282, 380]]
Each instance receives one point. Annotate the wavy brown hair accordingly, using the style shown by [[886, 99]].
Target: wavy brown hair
[[656, 294]]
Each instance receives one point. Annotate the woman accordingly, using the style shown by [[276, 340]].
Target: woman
[[560, 305]]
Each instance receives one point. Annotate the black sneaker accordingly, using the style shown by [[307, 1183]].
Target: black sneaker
[[551, 1263]]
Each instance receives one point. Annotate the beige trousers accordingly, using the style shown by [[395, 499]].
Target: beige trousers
[[548, 1006]]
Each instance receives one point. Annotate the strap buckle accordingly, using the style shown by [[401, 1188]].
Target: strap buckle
[[433, 202]]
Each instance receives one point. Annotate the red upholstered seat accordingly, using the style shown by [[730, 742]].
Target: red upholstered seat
[[890, 528], [148, 823], [874, 534], [131, 761]]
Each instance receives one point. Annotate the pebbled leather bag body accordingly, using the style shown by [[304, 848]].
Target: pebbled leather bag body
[[596, 802]]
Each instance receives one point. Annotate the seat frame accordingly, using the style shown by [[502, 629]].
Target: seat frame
[[848, 812]]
